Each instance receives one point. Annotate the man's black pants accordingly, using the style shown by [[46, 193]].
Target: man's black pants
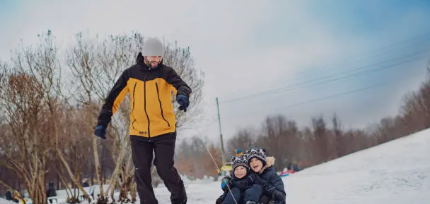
[[164, 148]]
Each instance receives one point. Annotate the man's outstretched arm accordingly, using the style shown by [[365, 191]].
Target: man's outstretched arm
[[113, 100]]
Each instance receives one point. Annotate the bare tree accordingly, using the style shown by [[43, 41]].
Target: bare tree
[[279, 136], [321, 135], [28, 147], [195, 158], [337, 131], [243, 139], [81, 60], [74, 149]]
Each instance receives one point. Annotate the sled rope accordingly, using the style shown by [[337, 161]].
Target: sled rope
[[218, 169]]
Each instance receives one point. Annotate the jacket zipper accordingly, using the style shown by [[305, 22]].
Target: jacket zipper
[[161, 107], [144, 99], [132, 111]]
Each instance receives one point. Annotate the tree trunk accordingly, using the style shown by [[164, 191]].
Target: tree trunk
[[72, 176]]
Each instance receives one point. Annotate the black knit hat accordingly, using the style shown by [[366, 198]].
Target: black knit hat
[[240, 161], [259, 153]]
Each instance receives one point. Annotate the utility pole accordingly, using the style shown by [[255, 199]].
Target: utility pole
[[220, 133]]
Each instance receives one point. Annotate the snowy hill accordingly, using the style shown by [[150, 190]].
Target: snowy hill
[[397, 172]]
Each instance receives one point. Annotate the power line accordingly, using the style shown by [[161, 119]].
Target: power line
[[354, 91], [292, 85], [323, 98], [421, 39], [349, 92], [379, 51], [356, 74], [360, 70]]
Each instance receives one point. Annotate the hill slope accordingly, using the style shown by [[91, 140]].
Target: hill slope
[[396, 172]]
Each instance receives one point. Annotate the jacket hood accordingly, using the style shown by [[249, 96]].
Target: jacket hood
[[270, 162]]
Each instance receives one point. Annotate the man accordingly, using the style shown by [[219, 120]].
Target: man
[[150, 85]]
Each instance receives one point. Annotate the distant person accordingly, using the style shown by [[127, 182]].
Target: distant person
[[85, 183], [18, 198], [8, 195], [51, 190]]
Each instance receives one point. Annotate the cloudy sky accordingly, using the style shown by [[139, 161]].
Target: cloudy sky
[[298, 58]]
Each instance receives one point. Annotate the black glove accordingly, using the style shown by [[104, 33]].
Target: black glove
[[220, 199], [183, 102], [278, 195], [100, 131]]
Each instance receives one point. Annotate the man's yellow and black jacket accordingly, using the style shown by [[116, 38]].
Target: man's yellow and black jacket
[[150, 92]]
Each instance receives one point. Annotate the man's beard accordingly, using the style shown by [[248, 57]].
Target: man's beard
[[149, 64], [152, 65]]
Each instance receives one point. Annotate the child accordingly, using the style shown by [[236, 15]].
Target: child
[[263, 167], [244, 186]]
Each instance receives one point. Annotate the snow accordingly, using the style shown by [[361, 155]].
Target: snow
[[4, 201], [397, 172]]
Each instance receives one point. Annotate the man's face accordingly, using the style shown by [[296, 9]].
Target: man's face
[[153, 61]]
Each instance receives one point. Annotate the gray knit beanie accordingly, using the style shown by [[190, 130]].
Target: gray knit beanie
[[153, 47]]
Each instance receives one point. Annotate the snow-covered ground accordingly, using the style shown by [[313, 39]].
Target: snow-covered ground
[[4, 201], [397, 172]]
